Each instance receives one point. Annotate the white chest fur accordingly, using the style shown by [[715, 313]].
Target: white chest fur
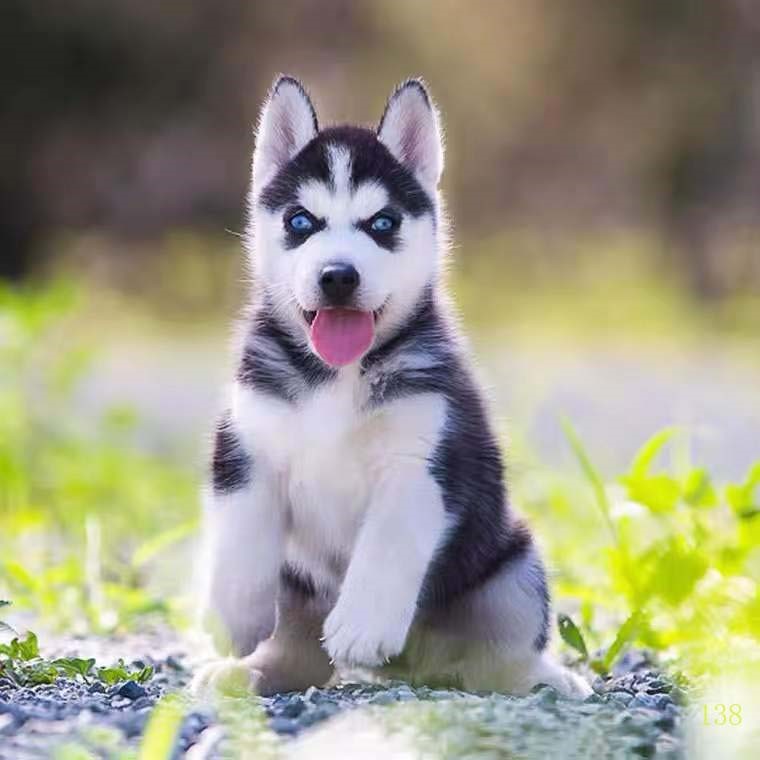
[[327, 454]]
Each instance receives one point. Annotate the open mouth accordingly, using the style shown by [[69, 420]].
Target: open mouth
[[309, 316], [339, 335]]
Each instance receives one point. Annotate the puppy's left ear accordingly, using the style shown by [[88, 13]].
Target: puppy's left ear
[[287, 123], [410, 128]]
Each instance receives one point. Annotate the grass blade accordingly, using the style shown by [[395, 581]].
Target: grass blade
[[161, 732], [591, 474]]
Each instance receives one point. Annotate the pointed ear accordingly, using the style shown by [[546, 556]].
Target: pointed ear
[[411, 130], [287, 123]]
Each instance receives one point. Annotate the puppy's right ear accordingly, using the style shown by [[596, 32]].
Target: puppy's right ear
[[287, 123]]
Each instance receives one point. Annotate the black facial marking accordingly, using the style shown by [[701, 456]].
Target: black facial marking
[[295, 238], [370, 161], [385, 239], [311, 163], [276, 362], [231, 465]]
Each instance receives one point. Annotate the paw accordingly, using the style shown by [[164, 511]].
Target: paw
[[573, 685], [356, 635], [566, 682], [229, 677]]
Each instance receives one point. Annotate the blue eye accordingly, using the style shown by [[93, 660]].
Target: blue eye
[[382, 223], [301, 223]]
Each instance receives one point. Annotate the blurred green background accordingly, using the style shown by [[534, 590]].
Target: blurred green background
[[603, 175]]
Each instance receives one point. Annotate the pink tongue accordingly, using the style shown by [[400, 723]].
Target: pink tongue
[[342, 335]]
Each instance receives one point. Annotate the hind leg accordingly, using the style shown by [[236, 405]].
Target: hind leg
[[291, 659], [492, 639]]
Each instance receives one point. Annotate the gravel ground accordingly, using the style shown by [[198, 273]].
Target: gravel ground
[[634, 713]]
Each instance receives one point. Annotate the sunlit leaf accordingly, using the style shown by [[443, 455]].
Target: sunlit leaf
[[75, 666], [28, 647], [643, 459], [741, 497], [658, 493], [698, 490], [625, 634], [571, 634]]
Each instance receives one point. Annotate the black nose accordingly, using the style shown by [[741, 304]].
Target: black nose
[[338, 282]]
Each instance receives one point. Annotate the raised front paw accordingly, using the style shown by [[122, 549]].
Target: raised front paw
[[357, 634]]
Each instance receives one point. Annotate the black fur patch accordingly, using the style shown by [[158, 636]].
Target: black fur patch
[[231, 466], [311, 163], [389, 239], [542, 589], [467, 465], [275, 362], [295, 238], [423, 333], [370, 161], [299, 582]]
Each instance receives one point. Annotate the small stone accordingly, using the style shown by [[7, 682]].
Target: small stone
[[599, 685], [284, 726], [620, 697], [644, 700], [545, 695], [96, 688], [174, 663], [132, 690], [142, 703], [292, 708]]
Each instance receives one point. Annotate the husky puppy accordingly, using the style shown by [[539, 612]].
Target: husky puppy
[[357, 513]]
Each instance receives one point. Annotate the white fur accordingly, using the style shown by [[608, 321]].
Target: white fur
[[244, 532]]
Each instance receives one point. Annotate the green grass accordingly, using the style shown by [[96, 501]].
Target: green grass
[[83, 510]]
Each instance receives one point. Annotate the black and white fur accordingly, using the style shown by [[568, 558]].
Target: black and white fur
[[358, 516]]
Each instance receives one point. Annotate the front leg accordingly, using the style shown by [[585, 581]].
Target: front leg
[[378, 599], [243, 536]]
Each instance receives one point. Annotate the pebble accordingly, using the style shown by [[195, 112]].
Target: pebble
[[132, 690]]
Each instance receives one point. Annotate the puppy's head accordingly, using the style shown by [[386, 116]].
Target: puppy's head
[[345, 228]]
